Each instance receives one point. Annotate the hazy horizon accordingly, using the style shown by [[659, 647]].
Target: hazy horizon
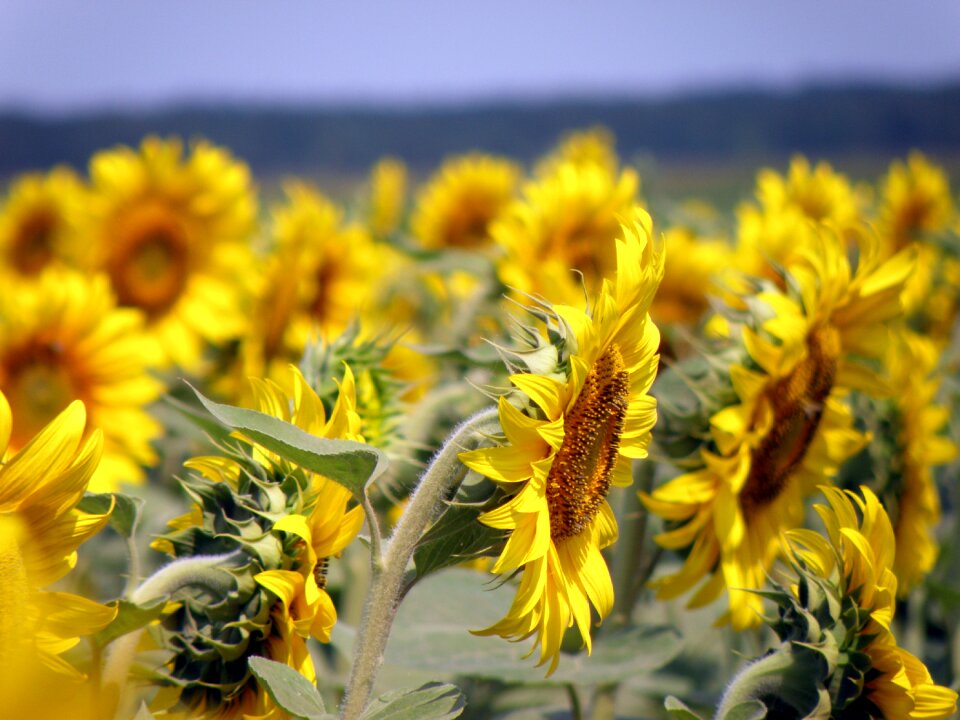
[[63, 57]]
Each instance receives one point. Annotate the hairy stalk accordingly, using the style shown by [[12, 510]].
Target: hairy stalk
[[760, 678], [383, 598], [203, 571], [629, 562]]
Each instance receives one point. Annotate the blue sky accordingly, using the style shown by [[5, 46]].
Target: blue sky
[[58, 55]]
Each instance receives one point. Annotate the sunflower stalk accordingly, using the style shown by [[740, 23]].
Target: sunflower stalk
[[386, 587]]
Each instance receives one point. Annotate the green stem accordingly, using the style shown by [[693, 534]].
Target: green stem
[[387, 583], [576, 710], [760, 678]]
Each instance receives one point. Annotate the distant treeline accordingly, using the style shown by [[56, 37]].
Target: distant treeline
[[820, 121]]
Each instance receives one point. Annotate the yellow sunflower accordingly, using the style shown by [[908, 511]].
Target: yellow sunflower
[[388, 196], [583, 147], [298, 604], [578, 432], [565, 224], [40, 531], [689, 277], [320, 275], [819, 193], [62, 339], [36, 221], [791, 428], [172, 233], [912, 363], [858, 554], [456, 206], [915, 202]]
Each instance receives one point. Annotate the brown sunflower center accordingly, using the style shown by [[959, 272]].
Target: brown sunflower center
[[32, 246], [149, 263], [468, 226], [36, 381], [797, 403], [579, 478]]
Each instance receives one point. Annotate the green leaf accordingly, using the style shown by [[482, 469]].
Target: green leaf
[[215, 430], [679, 710], [433, 701], [351, 464], [432, 633], [289, 689], [750, 710], [130, 617], [126, 510], [458, 536]]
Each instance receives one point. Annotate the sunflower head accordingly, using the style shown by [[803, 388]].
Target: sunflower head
[[62, 338], [172, 232], [595, 146], [915, 202], [854, 606], [37, 222], [579, 414], [559, 238], [456, 206], [271, 528], [388, 196]]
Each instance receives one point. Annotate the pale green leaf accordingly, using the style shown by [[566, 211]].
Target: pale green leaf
[[433, 701]]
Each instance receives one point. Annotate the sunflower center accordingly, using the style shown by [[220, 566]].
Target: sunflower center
[[32, 247], [797, 403], [149, 265], [468, 227], [579, 478], [37, 384]]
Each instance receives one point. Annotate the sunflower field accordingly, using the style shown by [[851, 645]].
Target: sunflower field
[[500, 443]]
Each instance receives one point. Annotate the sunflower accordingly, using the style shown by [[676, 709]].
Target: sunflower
[[915, 205], [172, 234], [920, 446], [40, 531], [819, 193], [36, 221], [583, 147], [578, 431], [388, 196], [791, 427], [565, 221], [456, 206], [915, 202], [285, 525], [690, 276], [62, 339], [857, 558], [319, 277]]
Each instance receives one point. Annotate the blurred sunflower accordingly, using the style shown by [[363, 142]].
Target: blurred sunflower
[[876, 677], [919, 446], [791, 428], [62, 339], [172, 233], [565, 222], [915, 205], [455, 207], [915, 202], [36, 221], [819, 193], [690, 276], [282, 526], [320, 275], [388, 196], [40, 531], [581, 425], [583, 147]]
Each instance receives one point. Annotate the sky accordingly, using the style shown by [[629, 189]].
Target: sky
[[79, 55]]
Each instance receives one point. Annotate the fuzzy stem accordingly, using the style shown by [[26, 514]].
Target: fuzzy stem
[[761, 677], [202, 570], [386, 585]]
